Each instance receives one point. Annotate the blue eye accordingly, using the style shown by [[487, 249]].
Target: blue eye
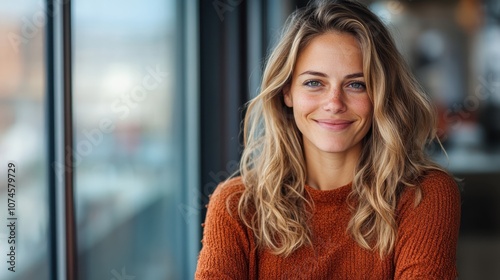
[[312, 83], [357, 85]]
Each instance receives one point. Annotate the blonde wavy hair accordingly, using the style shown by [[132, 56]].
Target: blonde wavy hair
[[274, 204]]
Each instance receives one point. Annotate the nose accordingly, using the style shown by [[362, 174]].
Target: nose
[[335, 102]]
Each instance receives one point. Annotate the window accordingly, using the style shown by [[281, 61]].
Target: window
[[128, 143], [22, 140], [134, 83]]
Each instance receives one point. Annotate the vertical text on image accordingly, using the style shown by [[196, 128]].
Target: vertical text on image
[[11, 216]]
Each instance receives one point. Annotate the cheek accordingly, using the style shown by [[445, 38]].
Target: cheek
[[302, 108], [304, 104], [364, 108]]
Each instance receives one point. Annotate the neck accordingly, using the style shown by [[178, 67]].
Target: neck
[[328, 171]]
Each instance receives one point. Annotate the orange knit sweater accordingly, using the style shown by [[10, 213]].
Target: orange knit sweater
[[425, 247]]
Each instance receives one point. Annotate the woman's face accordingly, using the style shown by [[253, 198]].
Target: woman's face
[[331, 106]]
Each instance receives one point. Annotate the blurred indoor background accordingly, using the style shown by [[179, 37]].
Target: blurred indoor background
[[158, 88]]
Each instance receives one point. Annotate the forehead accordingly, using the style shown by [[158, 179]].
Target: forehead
[[331, 50]]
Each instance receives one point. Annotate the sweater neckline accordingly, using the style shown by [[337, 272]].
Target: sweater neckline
[[337, 195]]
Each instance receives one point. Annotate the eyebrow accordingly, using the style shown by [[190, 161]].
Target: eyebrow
[[321, 74]]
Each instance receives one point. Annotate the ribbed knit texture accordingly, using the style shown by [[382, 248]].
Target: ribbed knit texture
[[425, 249]]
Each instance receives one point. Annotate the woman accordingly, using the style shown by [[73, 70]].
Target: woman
[[335, 183]]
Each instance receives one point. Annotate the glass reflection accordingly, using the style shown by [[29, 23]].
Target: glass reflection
[[22, 139], [127, 140]]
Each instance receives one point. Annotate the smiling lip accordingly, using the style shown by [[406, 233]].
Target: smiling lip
[[335, 125]]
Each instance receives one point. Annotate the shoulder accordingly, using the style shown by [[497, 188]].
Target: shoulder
[[440, 182], [428, 230], [439, 187], [227, 194], [434, 183], [227, 243], [227, 189], [438, 191]]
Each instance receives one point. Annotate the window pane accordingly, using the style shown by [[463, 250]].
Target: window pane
[[22, 141], [127, 139]]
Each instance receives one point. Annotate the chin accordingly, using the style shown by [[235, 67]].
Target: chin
[[338, 146]]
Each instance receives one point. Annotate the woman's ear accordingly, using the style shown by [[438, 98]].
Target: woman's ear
[[287, 96]]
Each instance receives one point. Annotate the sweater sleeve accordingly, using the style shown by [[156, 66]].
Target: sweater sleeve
[[226, 246], [428, 233]]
